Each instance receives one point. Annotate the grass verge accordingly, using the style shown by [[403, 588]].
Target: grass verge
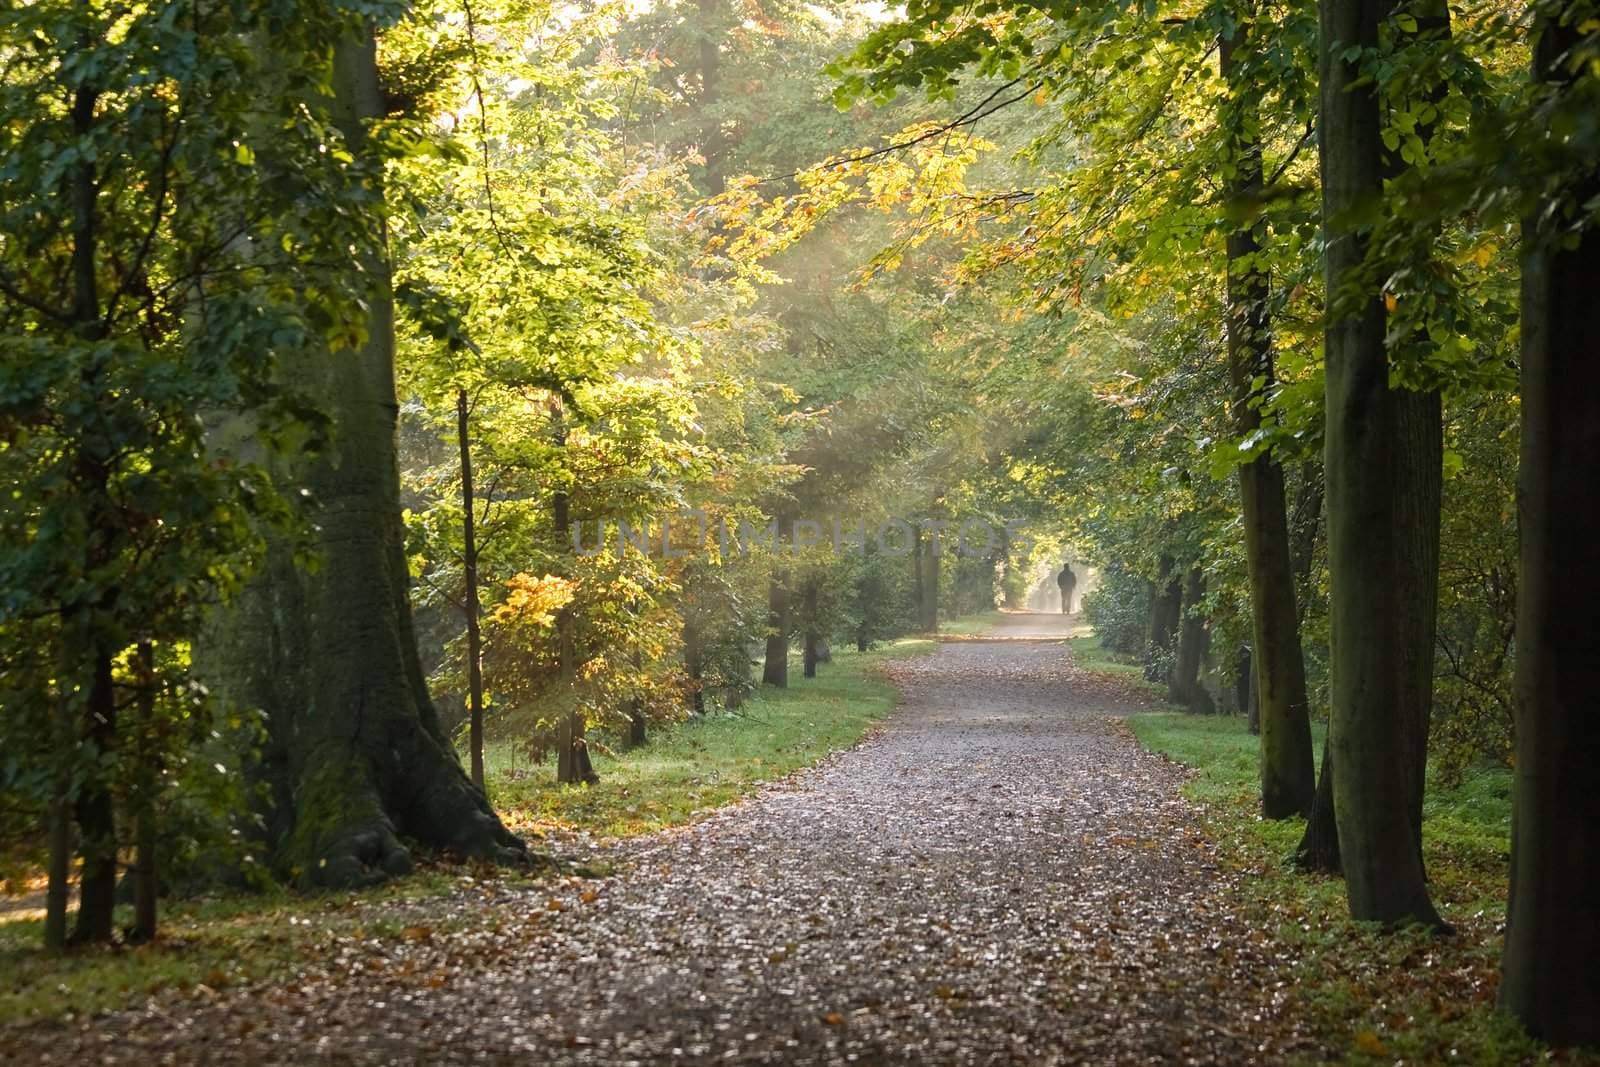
[[978, 624], [1088, 654], [694, 766], [1383, 998], [232, 938], [213, 942]]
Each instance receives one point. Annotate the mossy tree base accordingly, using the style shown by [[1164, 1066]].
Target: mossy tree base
[[357, 761]]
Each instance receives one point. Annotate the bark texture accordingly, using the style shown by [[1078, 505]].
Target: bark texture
[[357, 758], [97, 880], [1419, 481], [775, 668], [713, 142], [1183, 688], [1371, 464], [146, 882], [1280, 709], [1319, 845], [469, 600], [1551, 980]]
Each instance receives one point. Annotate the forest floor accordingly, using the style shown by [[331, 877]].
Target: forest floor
[[1000, 874]]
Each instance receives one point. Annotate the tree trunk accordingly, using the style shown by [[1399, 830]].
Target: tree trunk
[[1419, 483], [694, 667], [1304, 528], [97, 880], [566, 751], [84, 783], [357, 757], [1318, 850], [573, 765], [637, 728], [1166, 603], [930, 560], [918, 596], [713, 142], [775, 671], [469, 563], [1244, 688], [1287, 766], [1183, 688], [636, 722], [1550, 980], [811, 654], [1252, 707], [1373, 555], [1283, 715], [57, 888], [145, 873], [1419, 491]]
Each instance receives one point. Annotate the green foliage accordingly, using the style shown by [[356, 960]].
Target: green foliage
[[876, 605], [1472, 717], [1119, 610], [702, 764], [178, 216]]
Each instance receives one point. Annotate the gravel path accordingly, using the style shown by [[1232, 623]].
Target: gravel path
[[996, 877]]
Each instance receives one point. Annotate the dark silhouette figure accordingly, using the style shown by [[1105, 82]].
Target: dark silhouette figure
[[1068, 582]]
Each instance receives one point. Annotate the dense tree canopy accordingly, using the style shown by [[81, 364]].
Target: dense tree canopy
[[394, 391]]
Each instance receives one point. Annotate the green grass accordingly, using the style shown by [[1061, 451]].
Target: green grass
[[695, 766], [978, 624], [1384, 998], [1087, 653], [214, 941]]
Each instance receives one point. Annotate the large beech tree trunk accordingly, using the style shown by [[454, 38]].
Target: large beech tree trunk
[[1372, 462], [1419, 484], [357, 758], [1281, 707], [1551, 977], [1305, 528]]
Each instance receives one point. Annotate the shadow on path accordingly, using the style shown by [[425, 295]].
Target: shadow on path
[[998, 876]]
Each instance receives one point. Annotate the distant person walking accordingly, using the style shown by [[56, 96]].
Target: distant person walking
[[1068, 582]]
